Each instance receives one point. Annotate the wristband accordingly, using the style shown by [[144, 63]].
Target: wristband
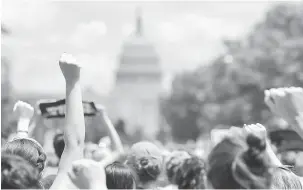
[[23, 124], [22, 131]]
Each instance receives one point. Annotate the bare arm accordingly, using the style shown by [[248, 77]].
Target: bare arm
[[74, 127], [24, 112], [273, 157], [260, 130], [37, 121], [114, 136], [22, 128]]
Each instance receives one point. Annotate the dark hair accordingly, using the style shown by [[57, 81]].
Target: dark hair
[[17, 173], [283, 178], [173, 164], [59, 144], [48, 181], [191, 174], [28, 149], [146, 170], [119, 176], [236, 164], [145, 159]]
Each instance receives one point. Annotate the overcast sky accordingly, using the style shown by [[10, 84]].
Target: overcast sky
[[185, 34]]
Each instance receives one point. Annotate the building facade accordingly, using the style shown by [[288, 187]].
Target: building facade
[[133, 100], [135, 97]]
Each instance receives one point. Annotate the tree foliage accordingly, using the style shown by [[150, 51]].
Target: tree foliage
[[230, 90], [7, 120]]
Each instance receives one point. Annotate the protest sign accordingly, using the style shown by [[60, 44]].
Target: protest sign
[[56, 109]]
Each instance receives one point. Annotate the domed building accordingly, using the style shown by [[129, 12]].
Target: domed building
[[135, 97], [132, 104]]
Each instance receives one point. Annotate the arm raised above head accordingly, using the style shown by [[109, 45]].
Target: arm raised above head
[[114, 136], [25, 113], [74, 127], [288, 104]]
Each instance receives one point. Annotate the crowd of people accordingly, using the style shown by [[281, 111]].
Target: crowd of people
[[243, 159]]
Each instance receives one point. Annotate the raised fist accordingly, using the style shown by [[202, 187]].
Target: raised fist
[[23, 110], [100, 107], [89, 174], [242, 133], [86, 173], [69, 67], [256, 129], [260, 131], [101, 110], [285, 102]]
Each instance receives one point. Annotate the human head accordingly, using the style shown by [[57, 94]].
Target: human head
[[173, 163], [18, 173], [236, 164], [59, 144], [119, 176], [191, 174], [284, 178], [145, 159], [28, 149]]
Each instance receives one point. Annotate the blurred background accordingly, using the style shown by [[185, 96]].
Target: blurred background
[[165, 71]]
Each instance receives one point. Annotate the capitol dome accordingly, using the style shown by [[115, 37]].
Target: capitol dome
[[138, 57], [138, 85], [137, 44]]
